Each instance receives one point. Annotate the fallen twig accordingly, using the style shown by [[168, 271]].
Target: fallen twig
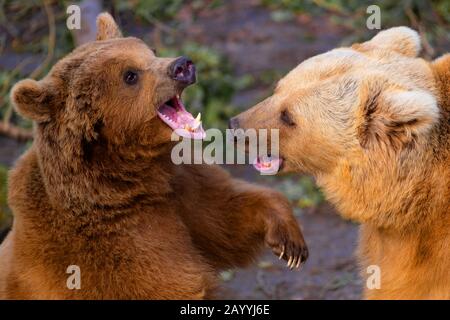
[[12, 131]]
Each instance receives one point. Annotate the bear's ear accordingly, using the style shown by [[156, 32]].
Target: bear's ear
[[32, 100], [107, 27], [402, 40], [396, 117]]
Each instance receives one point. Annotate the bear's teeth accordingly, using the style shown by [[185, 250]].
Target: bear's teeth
[[168, 119], [192, 128], [267, 164], [197, 122]]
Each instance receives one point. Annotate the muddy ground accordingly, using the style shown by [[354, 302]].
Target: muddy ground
[[255, 43]]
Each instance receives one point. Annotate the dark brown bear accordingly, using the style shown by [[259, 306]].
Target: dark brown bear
[[98, 190]]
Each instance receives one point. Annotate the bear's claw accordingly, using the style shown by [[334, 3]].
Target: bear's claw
[[294, 252]]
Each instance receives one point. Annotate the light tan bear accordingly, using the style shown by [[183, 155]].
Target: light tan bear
[[97, 191], [371, 123]]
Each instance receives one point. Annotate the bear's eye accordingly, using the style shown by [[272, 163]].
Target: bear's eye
[[286, 118], [130, 77]]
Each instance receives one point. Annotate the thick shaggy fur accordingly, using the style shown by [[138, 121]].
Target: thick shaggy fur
[[97, 189], [372, 124]]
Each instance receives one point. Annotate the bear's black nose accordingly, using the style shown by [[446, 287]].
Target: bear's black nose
[[182, 70], [233, 123]]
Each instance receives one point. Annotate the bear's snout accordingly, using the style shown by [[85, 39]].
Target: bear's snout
[[182, 70]]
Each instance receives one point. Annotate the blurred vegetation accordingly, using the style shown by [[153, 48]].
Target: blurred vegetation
[[302, 192], [430, 18], [162, 10], [149, 10]]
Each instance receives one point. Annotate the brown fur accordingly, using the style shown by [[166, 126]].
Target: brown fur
[[98, 189], [372, 124]]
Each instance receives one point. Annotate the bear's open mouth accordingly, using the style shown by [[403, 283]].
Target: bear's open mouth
[[174, 114], [268, 164]]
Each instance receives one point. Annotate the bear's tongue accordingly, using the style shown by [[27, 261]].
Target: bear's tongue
[[174, 114], [267, 164]]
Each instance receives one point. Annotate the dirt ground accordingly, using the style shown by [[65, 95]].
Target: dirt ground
[[331, 271], [255, 44]]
